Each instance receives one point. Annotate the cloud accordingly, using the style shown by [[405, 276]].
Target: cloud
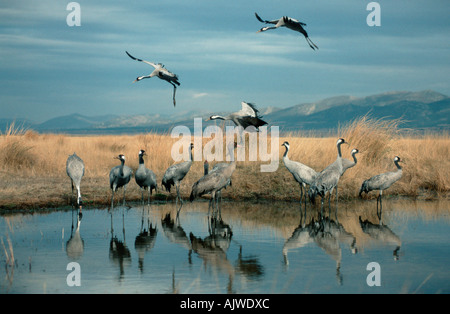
[[199, 95]]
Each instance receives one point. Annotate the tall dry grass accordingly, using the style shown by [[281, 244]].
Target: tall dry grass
[[32, 165]]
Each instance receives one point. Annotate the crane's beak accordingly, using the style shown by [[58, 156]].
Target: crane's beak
[[208, 119], [134, 81]]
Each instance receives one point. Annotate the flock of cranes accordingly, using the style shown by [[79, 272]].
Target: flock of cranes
[[214, 181], [161, 72], [220, 177]]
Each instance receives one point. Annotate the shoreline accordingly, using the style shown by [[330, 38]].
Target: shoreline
[[31, 206]]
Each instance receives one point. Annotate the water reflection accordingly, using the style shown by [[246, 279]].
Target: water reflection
[[75, 244], [175, 233], [119, 253], [213, 249], [250, 248], [146, 238], [326, 233], [382, 234]]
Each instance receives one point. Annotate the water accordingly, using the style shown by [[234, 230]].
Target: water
[[257, 248]]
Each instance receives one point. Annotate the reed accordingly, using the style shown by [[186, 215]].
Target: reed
[[32, 165]]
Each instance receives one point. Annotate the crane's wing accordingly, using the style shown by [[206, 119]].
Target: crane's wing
[[290, 21], [248, 121], [248, 109], [150, 63], [265, 21]]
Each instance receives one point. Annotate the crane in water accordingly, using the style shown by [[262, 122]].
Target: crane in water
[[382, 181], [176, 173], [119, 176], [303, 174], [75, 171], [145, 178], [328, 179]]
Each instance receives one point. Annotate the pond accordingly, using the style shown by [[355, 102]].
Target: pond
[[255, 248]]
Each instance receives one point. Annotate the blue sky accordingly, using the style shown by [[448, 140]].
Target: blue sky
[[49, 69]]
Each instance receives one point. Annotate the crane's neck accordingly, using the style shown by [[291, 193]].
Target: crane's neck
[[122, 163], [230, 152], [205, 168], [285, 156], [339, 150], [228, 171], [354, 157], [141, 159], [398, 166], [218, 118], [190, 154]]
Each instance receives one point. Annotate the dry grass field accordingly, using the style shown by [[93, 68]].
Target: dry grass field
[[33, 175]]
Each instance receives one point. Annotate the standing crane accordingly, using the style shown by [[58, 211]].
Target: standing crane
[[290, 23], [328, 179], [303, 174], [161, 72], [119, 176], [145, 178], [75, 171], [382, 181], [215, 180], [176, 173]]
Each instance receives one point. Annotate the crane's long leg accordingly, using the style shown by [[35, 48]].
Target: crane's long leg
[[124, 190], [301, 193], [174, 91], [381, 204], [311, 44], [178, 192], [112, 198], [71, 196]]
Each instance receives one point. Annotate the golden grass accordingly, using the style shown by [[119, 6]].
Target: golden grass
[[32, 165]]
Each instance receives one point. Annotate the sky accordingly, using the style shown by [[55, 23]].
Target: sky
[[50, 69]]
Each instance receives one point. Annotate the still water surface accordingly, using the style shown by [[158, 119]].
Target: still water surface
[[254, 248]]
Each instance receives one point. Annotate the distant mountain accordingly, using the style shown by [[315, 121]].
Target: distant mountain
[[74, 122], [418, 110]]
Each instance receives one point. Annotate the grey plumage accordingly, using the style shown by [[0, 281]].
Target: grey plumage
[[75, 171], [145, 178], [215, 180], [290, 23], [176, 173], [119, 176], [248, 116], [347, 164], [161, 72], [382, 181], [303, 174], [328, 179]]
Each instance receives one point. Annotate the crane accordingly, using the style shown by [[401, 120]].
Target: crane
[[290, 23]]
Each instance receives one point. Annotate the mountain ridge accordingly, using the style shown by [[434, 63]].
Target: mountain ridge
[[426, 109]]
